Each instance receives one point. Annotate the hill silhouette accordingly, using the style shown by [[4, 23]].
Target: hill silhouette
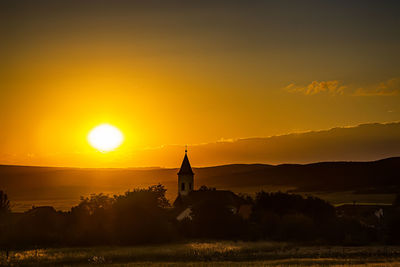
[[375, 176], [62, 187]]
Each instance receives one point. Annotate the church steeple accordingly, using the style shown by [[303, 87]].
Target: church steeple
[[185, 177], [185, 167]]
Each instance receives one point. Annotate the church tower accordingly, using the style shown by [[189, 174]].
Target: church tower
[[185, 177]]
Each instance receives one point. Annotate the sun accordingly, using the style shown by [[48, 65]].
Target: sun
[[105, 137]]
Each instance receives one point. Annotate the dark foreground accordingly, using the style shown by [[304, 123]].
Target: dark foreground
[[208, 254]]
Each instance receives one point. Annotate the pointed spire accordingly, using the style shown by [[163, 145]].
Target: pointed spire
[[185, 167]]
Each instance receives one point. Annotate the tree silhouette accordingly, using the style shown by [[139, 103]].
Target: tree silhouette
[[4, 203]]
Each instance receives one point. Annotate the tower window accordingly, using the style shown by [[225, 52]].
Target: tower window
[[190, 186], [183, 187]]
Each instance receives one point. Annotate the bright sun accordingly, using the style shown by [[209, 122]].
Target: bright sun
[[105, 137]]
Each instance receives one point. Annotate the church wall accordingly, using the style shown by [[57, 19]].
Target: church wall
[[188, 182]]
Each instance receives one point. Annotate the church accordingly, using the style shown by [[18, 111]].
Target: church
[[185, 177], [188, 197]]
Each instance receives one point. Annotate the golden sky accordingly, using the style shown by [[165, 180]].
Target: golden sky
[[188, 72]]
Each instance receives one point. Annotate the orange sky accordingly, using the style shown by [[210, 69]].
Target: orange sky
[[189, 73]]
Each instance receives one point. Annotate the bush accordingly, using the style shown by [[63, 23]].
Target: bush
[[283, 216]]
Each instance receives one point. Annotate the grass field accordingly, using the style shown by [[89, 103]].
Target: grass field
[[207, 254]]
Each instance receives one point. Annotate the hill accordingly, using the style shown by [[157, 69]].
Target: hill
[[377, 176], [62, 187]]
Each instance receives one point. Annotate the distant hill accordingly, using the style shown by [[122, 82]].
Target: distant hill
[[376, 176], [62, 187]]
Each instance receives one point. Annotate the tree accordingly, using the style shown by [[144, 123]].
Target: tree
[[93, 204], [290, 216], [4, 203], [90, 221], [140, 216]]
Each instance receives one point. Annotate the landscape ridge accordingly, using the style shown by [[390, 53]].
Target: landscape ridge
[[29, 185]]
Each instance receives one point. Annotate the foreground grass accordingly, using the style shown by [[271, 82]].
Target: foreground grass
[[207, 254]]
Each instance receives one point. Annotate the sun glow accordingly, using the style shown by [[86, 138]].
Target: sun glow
[[105, 138]]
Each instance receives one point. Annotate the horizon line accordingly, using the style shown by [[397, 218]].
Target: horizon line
[[196, 167]]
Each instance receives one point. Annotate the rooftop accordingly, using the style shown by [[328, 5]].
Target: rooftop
[[185, 167]]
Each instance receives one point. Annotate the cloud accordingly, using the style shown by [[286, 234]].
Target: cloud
[[390, 87], [387, 88], [331, 87]]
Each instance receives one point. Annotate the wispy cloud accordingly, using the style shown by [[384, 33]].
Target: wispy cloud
[[390, 87], [331, 87], [386, 88]]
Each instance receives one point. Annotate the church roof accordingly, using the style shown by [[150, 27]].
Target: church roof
[[185, 167]]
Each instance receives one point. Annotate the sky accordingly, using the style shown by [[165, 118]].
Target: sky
[[188, 72]]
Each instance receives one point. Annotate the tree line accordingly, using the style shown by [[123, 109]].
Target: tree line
[[146, 216]]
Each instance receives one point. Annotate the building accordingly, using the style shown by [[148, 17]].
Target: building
[[185, 177], [188, 197]]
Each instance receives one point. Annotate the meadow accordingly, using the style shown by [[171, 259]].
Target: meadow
[[207, 253]]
